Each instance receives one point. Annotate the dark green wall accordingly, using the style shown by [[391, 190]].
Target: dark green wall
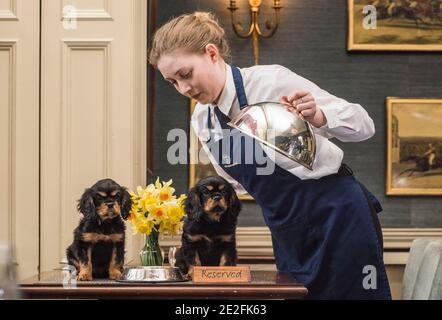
[[311, 41]]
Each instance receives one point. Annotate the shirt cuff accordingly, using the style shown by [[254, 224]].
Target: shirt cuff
[[331, 116]]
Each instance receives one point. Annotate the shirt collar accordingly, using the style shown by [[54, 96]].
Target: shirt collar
[[228, 94]]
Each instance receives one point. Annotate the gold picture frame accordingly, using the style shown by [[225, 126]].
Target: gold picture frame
[[413, 26], [414, 146], [201, 167]]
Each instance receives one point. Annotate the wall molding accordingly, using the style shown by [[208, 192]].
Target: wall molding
[[138, 110], [401, 238], [10, 47], [11, 13], [255, 242]]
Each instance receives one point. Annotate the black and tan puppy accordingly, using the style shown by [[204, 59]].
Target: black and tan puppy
[[208, 238], [98, 247]]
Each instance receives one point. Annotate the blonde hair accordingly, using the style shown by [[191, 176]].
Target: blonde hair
[[191, 33]]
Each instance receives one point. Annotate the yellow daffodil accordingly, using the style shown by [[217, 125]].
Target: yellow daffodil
[[155, 207]]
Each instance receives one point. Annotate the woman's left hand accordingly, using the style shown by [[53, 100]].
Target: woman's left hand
[[303, 103]]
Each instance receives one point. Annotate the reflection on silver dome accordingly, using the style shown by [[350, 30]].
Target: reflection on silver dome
[[284, 131]]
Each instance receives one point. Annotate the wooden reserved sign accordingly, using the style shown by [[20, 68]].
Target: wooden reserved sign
[[221, 274]]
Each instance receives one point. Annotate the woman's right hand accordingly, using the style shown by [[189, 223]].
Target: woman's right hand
[[303, 103]]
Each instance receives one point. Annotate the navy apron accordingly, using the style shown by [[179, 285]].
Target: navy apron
[[322, 230]]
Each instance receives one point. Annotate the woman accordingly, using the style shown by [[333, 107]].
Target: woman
[[323, 221]]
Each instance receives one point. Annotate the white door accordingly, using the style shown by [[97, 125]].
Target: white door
[[19, 131], [92, 110]]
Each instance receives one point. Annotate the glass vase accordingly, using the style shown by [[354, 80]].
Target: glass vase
[[151, 254]]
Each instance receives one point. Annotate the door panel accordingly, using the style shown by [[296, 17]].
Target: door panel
[[19, 131], [93, 110]]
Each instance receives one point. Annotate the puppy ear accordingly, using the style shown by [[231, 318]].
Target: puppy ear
[[192, 205], [126, 204], [86, 204], [235, 204]]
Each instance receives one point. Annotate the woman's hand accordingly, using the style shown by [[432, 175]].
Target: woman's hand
[[303, 103]]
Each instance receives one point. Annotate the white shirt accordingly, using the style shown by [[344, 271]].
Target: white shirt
[[346, 121]]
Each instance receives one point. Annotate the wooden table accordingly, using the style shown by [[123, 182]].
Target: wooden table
[[264, 285]]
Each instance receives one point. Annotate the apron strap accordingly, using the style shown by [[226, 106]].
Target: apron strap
[[209, 124], [209, 119], [239, 86], [242, 99]]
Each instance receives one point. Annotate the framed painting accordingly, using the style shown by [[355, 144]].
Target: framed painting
[[395, 25], [200, 165], [414, 146]]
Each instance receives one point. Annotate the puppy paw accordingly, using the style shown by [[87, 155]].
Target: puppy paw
[[84, 276], [115, 274], [189, 274]]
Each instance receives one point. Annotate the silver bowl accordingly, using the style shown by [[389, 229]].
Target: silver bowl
[[152, 274]]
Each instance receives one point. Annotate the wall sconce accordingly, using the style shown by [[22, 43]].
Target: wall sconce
[[255, 30]]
